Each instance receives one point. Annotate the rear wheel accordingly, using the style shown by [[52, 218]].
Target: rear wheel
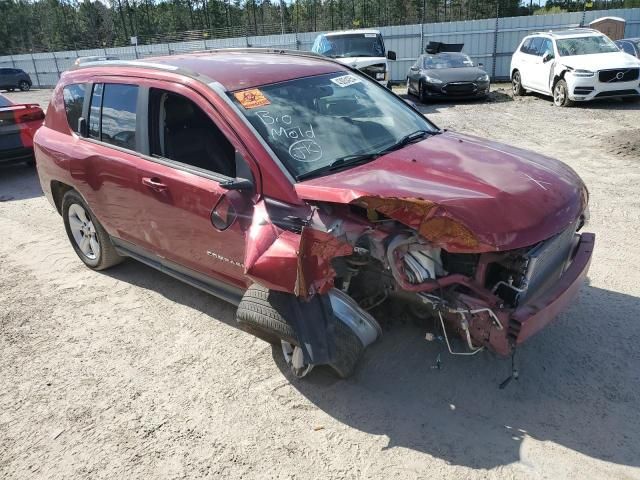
[[259, 314], [24, 85], [516, 82], [561, 94], [87, 236]]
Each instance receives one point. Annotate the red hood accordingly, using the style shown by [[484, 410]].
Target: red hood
[[497, 197]]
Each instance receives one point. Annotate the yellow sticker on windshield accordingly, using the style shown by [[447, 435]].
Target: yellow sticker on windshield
[[252, 98]]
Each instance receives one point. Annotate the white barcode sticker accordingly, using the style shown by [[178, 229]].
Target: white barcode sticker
[[345, 80]]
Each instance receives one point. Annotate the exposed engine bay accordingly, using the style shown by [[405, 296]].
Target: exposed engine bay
[[376, 259]]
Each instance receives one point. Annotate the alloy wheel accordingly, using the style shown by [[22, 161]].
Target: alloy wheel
[[516, 83], [83, 231], [559, 95]]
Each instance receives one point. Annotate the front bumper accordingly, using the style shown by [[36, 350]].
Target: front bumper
[[525, 321], [584, 89], [448, 91]]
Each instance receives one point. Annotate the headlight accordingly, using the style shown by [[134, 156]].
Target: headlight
[[582, 73], [483, 78], [432, 80]]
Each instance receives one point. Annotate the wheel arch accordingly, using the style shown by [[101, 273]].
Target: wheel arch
[[58, 189]]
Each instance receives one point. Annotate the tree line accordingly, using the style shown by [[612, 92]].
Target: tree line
[[50, 25]]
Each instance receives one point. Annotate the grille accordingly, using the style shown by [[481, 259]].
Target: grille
[[546, 262], [619, 75], [459, 88]]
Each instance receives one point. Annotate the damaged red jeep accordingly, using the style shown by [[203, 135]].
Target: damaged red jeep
[[314, 199]]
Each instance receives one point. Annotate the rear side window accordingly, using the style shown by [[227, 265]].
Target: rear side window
[[73, 102], [119, 115], [535, 46], [525, 45]]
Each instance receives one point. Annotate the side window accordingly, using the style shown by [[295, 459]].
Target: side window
[[94, 112], [536, 44], [119, 114], [73, 100], [525, 45], [627, 48], [547, 46], [182, 132]]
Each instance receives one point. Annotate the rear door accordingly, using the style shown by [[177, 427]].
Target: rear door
[[189, 219], [104, 164]]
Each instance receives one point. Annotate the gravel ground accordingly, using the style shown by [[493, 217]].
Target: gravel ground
[[131, 374]]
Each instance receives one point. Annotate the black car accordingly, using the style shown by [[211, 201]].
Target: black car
[[441, 73], [630, 46], [12, 78]]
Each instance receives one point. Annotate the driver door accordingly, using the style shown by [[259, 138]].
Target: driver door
[[542, 66], [190, 219]]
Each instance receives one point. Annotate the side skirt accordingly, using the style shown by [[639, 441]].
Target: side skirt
[[226, 292]]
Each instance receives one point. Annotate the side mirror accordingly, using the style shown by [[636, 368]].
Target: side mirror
[[83, 131], [241, 184], [391, 55], [413, 67], [547, 56]]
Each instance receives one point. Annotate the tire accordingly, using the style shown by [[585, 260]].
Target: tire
[[561, 94], [98, 254], [516, 82], [421, 93], [259, 314], [24, 86]]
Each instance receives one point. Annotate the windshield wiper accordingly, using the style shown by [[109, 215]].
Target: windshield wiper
[[406, 140], [340, 163], [361, 158]]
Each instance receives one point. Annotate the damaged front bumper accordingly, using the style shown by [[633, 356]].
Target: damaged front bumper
[[503, 329]]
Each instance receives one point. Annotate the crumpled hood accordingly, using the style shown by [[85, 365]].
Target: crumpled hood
[[462, 192], [600, 61]]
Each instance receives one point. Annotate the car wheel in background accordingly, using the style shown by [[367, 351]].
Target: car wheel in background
[[561, 94], [516, 82], [87, 236], [24, 86], [422, 94]]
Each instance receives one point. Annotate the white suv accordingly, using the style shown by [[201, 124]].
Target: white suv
[[574, 65]]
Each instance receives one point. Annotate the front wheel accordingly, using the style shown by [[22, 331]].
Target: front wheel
[[561, 94], [422, 93], [259, 313], [87, 236], [24, 86], [516, 82]]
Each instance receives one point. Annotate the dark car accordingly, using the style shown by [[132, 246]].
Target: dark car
[[12, 78], [18, 124], [447, 75], [313, 198], [630, 46]]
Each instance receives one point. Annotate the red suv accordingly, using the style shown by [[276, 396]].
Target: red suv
[[313, 198]]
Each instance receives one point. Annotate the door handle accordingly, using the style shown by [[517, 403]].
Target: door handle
[[154, 183]]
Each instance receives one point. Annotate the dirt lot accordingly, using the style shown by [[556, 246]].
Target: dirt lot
[[131, 374]]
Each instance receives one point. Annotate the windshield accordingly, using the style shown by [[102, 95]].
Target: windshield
[[315, 122], [568, 47], [447, 60], [349, 45]]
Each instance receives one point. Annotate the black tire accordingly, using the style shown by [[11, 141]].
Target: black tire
[[24, 86], [516, 82], [107, 256], [422, 94], [259, 314], [561, 94]]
